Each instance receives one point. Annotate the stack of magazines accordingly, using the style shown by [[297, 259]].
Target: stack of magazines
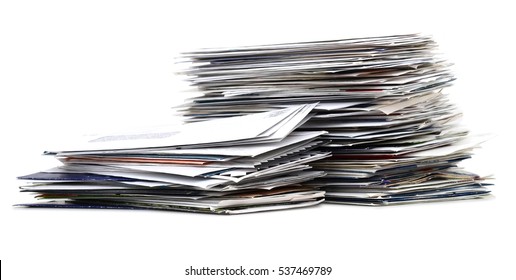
[[393, 135], [241, 164]]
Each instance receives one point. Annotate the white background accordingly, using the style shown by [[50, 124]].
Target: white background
[[72, 67]]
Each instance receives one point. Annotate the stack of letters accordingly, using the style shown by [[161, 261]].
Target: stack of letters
[[233, 165], [357, 121], [392, 132]]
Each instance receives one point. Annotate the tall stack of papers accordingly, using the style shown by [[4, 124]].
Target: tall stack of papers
[[392, 132], [233, 165]]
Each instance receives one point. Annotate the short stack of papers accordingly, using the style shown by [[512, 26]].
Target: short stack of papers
[[233, 165], [392, 133]]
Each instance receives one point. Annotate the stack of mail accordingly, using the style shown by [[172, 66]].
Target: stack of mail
[[393, 134], [233, 165]]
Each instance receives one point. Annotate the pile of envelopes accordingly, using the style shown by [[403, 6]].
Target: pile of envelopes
[[235, 165], [357, 121], [392, 132]]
